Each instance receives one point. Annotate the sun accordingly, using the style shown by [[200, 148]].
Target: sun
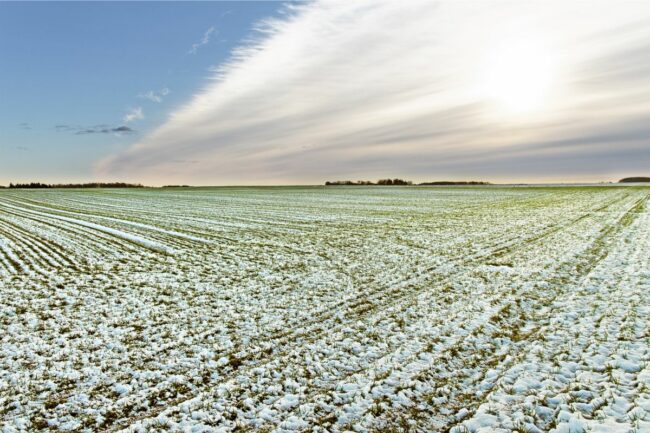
[[518, 75]]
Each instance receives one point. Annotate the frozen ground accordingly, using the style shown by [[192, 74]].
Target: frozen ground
[[312, 309]]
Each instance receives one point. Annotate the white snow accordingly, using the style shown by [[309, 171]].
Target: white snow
[[324, 309]]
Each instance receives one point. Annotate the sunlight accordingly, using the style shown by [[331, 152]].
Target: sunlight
[[518, 75]]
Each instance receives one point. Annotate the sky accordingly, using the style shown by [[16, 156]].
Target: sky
[[255, 93]]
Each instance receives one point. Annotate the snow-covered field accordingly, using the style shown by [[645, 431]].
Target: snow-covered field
[[343, 309]]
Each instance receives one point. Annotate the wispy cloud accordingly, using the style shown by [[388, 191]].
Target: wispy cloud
[[366, 89], [103, 129], [155, 96], [96, 129], [25, 126], [133, 114], [204, 40]]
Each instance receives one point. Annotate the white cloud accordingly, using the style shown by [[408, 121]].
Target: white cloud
[[133, 114], [370, 89], [155, 96], [204, 40]]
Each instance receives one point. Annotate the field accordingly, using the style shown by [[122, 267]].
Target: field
[[482, 309]]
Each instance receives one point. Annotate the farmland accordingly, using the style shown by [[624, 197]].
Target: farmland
[[455, 309]]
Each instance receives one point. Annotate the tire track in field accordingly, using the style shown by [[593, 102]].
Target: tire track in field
[[135, 239], [39, 261], [80, 237], [237, 403], [90, 242], [167, 235], [127, 210], [610, 325], [311, 332], [460, 340], [398, 282], [554, 230], [361, 300], [24, 255], [14, 264], [577, 269], [288, 337], [124, 236], [49, 256], [362, 307]]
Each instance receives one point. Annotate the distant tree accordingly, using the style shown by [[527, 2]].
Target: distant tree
[[347, 182], [387, 181], [638, 179], [447, 182]]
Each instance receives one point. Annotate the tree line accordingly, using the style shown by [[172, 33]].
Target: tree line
[[367, 182], [39, 185], [637, 179], [401, 182], [448, 182]]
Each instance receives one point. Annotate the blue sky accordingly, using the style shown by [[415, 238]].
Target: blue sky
[[88, 64], [214, 93]]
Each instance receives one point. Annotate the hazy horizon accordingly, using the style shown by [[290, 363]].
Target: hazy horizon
[[279, 185]]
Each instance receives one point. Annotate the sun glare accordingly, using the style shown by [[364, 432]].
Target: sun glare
[[518, 75]]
